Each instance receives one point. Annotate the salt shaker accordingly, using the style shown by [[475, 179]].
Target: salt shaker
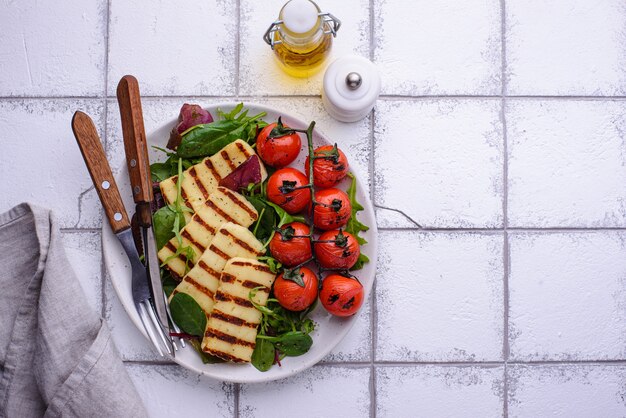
[[351, 87]]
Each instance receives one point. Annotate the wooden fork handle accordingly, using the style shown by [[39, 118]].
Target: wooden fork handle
[[134, 134], [100, 171]]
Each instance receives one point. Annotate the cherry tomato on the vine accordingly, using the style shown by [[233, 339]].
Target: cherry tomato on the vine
[[289, 246], [283, 190], [277, 151], [330, 169], [296, 290], [332, 209], [341, 296], [337, 250]]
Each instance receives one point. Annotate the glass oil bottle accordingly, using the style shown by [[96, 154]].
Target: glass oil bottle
[[302, 37]]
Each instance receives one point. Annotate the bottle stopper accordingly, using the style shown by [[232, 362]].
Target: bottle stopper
[[351, 87]]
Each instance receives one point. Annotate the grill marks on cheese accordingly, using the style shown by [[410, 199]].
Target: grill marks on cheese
[[222, 206], [232, 326], [202, 281], [201, 180]]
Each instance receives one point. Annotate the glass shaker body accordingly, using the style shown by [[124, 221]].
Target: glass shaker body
[[301, 54]]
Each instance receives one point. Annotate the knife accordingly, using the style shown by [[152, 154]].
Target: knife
[[136, 150], [100, 172]]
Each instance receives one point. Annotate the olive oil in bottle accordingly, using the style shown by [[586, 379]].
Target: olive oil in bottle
[[302, 37]]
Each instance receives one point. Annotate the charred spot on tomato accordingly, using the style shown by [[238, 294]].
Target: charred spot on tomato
[[346, 253], [336, 205], [340, 167], [333, 298], [288, 186], [348, 304]]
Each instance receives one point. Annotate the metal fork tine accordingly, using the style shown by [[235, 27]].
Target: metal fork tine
[[146, 325], [155, 323]]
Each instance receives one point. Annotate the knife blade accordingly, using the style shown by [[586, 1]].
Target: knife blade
[[102, 177], [136, 150]]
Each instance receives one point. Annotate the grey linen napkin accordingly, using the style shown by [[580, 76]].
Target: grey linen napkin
[[56, 354]]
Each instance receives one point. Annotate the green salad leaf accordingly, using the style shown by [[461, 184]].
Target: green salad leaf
[[207, 139], [354, 226], [263, 355], [187, 314]]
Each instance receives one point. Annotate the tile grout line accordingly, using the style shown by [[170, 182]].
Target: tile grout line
[[236, 396], [505, 213], [106, 143], [387, 97], [237, 45], [372, 172]]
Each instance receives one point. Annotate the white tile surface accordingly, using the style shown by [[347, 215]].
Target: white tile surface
[[317, 392], [170, 391], [259, 72], [437, 162], [174, 48], [35, 57], [439, 391], [440, 161], [567, 163], [567, 391], [439, 297], [84, 253], [568, 296], [438, 47], [566, 47], [37, 137]]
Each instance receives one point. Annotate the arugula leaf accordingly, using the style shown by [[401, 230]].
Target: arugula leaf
[[187, 314], [272, 263], [354, 226], [263, 355], [284, 217]]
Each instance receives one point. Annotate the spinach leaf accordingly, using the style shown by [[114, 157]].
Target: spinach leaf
[[294, 343], [160, 171], [263, 355], [163, 224], [169, 284], [264, 226], [209, 138], [187, 314]]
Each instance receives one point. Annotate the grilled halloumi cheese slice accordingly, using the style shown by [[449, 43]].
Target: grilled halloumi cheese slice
[[223, 205], [200, 180], [202, 281], [232, 326]]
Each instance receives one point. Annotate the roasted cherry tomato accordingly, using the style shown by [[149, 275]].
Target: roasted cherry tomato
[[277, 150], [289, 250], [330, 168], [333, 209], [296, 290], [337, 250], [341, 296], [280, 190]]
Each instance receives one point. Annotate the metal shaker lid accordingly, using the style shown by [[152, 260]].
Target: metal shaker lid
[[351, 87]]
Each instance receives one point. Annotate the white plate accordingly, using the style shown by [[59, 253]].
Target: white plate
[[330, 330]]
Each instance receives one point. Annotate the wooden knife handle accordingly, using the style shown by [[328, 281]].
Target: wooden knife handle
[[135, 145], [100, 171]]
